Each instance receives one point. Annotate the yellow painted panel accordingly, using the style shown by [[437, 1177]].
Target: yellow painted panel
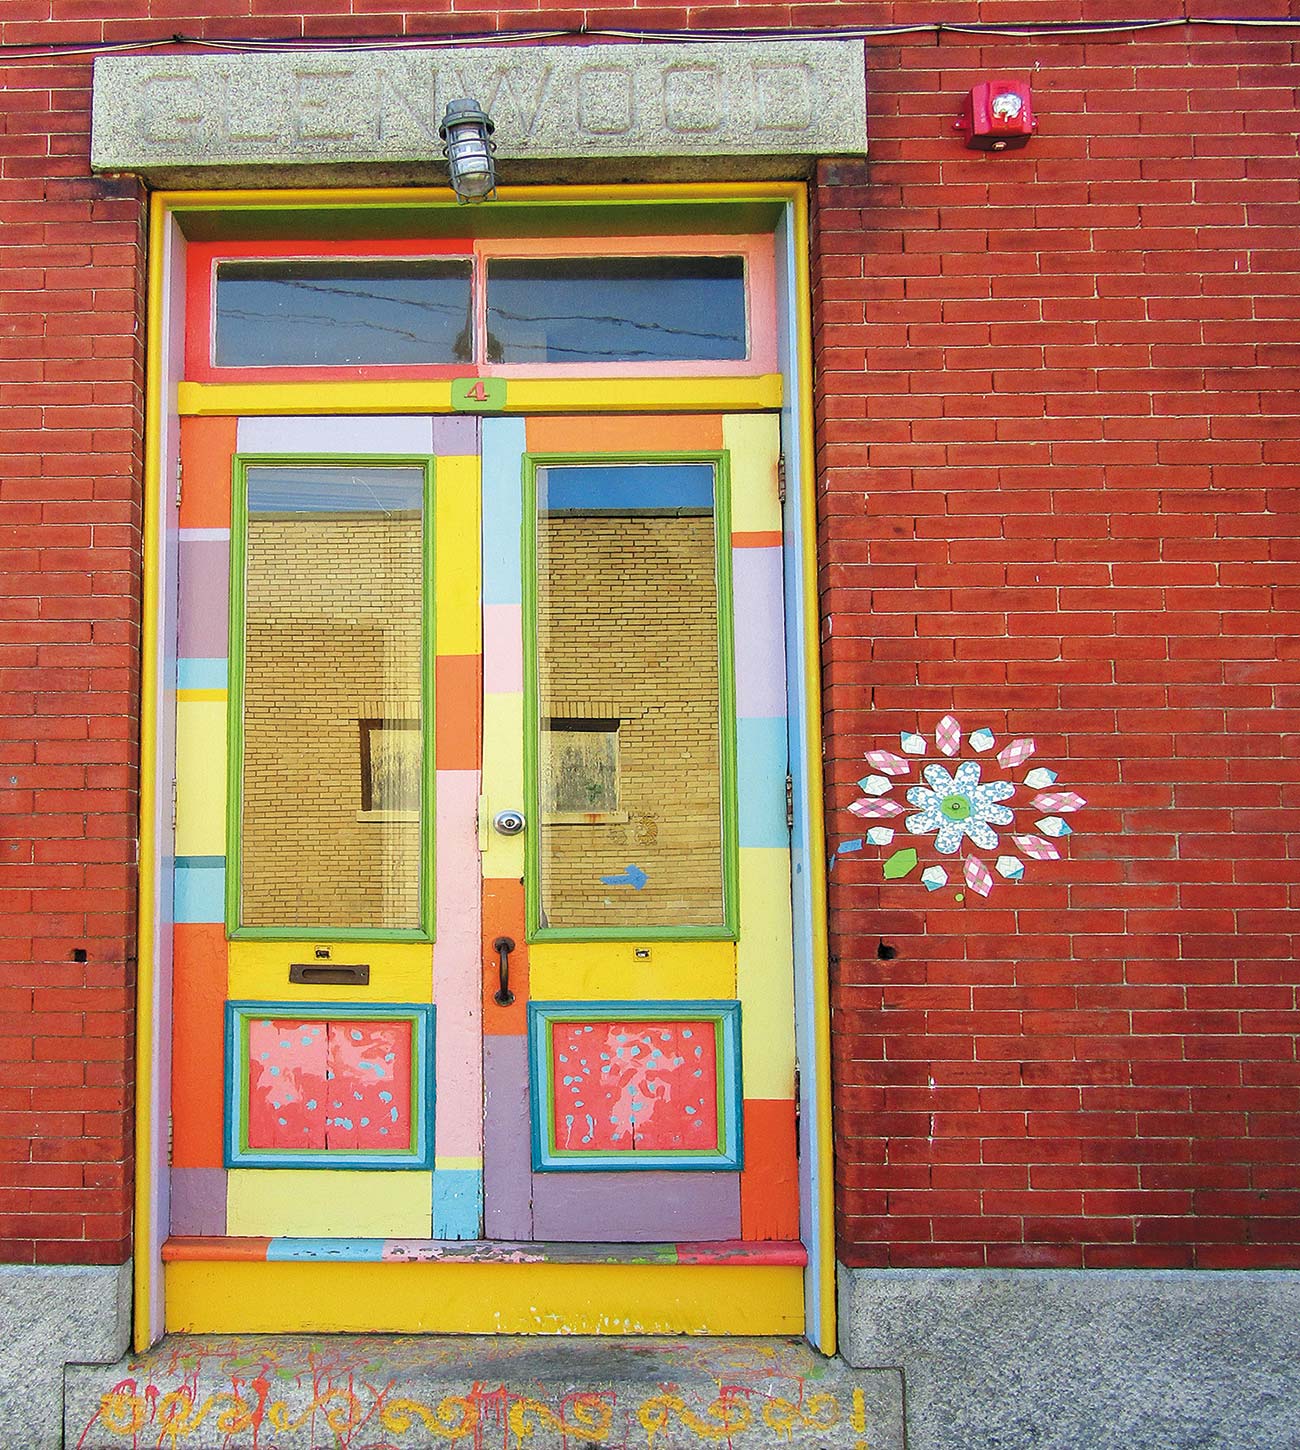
[[187, 695], [766, 982], [643, 395], [399, 971], [328, 1203], [450, 1298], [524, 395], [611, 971], [469, 1163], [456, 557], [201, 778], [755, 447], [503, 782], [302, 399]]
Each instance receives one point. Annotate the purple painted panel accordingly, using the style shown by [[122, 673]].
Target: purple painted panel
[[760, 633], [507, 1145], [456, 435], [198, 1202], [635, 1208], [204, 585]]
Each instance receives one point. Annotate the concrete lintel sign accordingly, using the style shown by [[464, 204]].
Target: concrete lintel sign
[[726, 98]]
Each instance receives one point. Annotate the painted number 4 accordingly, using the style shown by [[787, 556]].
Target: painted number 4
[[478, 395]]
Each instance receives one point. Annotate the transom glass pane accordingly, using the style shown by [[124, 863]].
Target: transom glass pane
[[304, 313], [332, 716], [630, 828], [616, 309]]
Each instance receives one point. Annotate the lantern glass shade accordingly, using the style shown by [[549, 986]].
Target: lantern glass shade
[[466, 131]]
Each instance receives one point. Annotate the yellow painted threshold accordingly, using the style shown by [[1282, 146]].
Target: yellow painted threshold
[[523, 395], [460, 1298]]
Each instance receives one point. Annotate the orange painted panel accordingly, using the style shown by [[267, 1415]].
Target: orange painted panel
[[457, 695], [769, 1184], [207, 446], [757, 539], [503, 915], [623, 434], [198, 1014]]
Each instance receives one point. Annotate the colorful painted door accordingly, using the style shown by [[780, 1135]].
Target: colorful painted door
[[397, 1021]]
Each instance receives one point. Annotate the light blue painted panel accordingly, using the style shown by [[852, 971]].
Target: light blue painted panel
[[200, 892], [201, 674], [504, 441], [760, 786], [457, 1203]]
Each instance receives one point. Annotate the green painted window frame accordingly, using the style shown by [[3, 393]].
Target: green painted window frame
[[729, 928], [240, 464]]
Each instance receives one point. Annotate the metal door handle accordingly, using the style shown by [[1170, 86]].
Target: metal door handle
[[503, 946]]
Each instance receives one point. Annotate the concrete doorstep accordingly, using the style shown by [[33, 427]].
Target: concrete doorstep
[[378, 1392]]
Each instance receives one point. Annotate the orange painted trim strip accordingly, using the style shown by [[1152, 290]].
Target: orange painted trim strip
[[758, 539], [215, 1250], [622, 433], [503, 915], [457, 692], [198, 1024], [207, 446]]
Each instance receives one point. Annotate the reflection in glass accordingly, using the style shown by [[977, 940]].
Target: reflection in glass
[[630, 829], [333, 733], [616, 309], [337, 314]]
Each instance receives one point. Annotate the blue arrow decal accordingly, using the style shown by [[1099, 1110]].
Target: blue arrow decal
[[633, 877]]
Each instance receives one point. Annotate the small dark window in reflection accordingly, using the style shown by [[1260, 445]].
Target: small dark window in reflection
[[343, 314], [616, 309]]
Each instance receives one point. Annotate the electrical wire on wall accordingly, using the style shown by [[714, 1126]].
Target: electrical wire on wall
[[1043, 30]]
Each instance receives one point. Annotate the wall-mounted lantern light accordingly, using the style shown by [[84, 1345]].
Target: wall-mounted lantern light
[[466, 132], [997, 116]]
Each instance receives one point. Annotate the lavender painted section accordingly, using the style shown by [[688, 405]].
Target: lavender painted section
[[204, 630], [507, 1148], [636, 1208], [455, 435], [350, 435], [760, 633], [198, 1201]]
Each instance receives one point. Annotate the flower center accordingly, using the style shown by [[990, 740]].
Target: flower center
[[955, 807]]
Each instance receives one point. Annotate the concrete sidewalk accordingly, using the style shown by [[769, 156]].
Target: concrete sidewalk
[[377, 1392]]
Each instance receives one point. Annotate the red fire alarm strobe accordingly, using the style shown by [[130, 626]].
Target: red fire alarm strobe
[[997, 116]]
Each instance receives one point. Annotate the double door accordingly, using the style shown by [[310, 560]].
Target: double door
[[482, 882]]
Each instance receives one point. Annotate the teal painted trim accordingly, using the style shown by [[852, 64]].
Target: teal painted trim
[[503, 447], [728, 928], [729, 1156], [457, 1203], [352, 1251], [425, 932], [194, 673], [764, 761], [420, 1155]]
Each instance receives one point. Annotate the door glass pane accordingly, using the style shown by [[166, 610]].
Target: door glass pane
[[629, 759], [333, 725], [340, 314], [616, 309]]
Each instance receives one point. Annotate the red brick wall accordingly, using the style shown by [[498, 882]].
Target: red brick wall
[[71, 252], [1055, 426], [1058, 439]]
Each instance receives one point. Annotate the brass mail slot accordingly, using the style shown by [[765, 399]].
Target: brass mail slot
[[327, 974]]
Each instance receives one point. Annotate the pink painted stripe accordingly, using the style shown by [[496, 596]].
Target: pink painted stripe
[[458, 1120], [503, 649]]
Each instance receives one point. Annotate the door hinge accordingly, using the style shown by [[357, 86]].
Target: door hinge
[[179, 480], [798, 1110], [780, 477], [173, 803], [171, 1138], [789, 803]]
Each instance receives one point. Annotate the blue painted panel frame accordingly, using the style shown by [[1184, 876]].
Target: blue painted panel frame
[[419, 1155], [728, 1156]]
